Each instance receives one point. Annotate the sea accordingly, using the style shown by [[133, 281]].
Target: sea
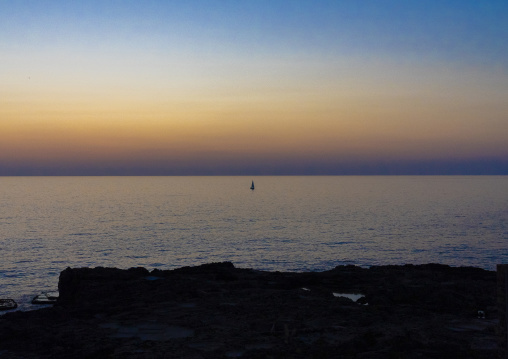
[[287, 223]]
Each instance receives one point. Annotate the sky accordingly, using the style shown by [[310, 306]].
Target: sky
[[278, 87]]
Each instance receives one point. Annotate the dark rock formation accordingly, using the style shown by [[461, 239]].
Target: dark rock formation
[[219, 311], [8, 304]]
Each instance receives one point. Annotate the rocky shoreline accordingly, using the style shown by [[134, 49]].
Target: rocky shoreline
[[219, 311]]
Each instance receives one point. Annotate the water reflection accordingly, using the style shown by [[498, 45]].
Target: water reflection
[[353, 296], [287, 223]]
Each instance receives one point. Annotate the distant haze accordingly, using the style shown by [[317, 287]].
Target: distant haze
[[253, 87]]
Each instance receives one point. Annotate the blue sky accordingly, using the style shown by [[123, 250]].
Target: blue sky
[[449, 29], [298, 87]]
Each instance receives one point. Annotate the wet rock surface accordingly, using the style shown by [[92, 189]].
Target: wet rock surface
[[219, 311]]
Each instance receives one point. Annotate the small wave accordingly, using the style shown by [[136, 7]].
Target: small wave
[[156, 264]]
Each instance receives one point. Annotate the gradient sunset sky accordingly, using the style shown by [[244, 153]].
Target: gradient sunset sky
[[253, 87]]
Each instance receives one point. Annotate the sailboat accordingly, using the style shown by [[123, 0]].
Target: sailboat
[[252, 185]]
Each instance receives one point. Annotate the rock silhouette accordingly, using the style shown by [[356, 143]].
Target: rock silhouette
[[219, 311]]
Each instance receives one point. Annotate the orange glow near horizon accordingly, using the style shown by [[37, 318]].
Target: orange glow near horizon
[[268, 128], [296, 118]]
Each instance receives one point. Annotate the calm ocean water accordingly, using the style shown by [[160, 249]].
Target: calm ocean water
[[286, 223]]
